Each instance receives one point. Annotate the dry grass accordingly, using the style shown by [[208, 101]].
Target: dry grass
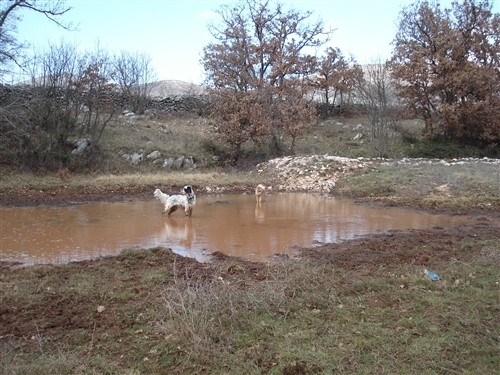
[[213, 178], [193, 136], [172, 136]]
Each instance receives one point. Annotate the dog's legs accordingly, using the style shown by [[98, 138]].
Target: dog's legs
[[189, 210], [171, 209]]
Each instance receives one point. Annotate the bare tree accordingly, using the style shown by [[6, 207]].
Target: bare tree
[[134, 75], [447, 65], [257, 67], [97, 92], [70, 98], [376, 94], [10, 47]]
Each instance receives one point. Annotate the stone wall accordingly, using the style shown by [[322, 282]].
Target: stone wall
[[175, 104], [180, 104]]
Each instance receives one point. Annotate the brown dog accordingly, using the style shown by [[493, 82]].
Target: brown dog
[[260, 193]]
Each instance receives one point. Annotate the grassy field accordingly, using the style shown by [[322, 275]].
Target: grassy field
[[463, 187], [360, 307], [150, 312], [457, 187]]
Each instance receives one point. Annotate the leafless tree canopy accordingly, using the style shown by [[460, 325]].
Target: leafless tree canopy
[[134, 76], [375, 93], [258, 68], [447, 64], [69, 99], [10, 47]]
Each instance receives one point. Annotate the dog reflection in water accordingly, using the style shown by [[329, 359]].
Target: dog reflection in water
[[180, 231], [260, 213]]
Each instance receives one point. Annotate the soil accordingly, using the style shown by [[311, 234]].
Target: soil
[[61, 196], [424, 247]]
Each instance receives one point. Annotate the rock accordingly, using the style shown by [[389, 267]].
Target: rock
[[189, 163], [128, 113], [169, 163], [135, 158], [179, 162], [153, 155], [357, 137], [81, 146]]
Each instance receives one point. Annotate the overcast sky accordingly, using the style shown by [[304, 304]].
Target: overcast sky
[[174, 32]]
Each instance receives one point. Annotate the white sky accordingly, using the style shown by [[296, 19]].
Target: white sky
[[174, 32]]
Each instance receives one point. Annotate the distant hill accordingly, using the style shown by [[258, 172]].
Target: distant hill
[[163, 89]]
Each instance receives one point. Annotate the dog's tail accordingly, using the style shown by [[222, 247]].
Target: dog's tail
[[158, 194]]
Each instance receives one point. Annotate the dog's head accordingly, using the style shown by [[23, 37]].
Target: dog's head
[[188, 190], [260, 189]]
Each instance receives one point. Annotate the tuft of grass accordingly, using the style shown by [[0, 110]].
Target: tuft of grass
[[318, 319]]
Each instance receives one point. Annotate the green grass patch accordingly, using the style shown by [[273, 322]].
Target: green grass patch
[[457, 186]]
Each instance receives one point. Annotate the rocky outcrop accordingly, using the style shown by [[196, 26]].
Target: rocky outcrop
[[172, 162], [316, 173], [320, 173]]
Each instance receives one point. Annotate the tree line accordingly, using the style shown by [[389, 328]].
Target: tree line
[[264, 70], [270, 76]]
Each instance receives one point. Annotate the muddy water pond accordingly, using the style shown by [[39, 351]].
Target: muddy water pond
[[232, 224]]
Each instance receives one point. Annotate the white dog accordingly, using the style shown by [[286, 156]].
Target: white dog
[[186, 199]]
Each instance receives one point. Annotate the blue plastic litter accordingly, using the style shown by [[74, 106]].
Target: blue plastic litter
[[431, 275]]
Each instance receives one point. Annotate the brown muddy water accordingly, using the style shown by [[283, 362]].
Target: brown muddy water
[[232, 224]]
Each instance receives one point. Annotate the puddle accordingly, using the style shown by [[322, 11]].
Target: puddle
[[232, 224]]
